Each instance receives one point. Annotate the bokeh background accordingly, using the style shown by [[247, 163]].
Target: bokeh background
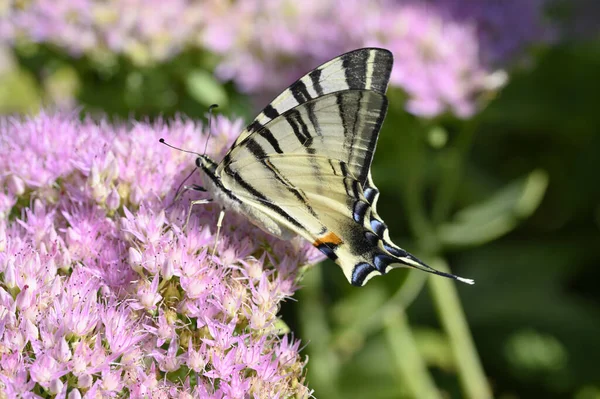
[[488, 165]]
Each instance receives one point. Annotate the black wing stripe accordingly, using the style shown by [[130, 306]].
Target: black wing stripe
[[255, 149], [265, 201], [259, 153], [254, 126], [299, 194], [382, 69], [293, 118], [270, 112], [373, 142], [315, 77], [312, 117], [355, 68], [267, 135], [300, 92]]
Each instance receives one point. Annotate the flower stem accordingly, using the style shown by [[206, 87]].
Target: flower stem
[[409, 363], [324, 363], [452, 172], [373, 324], [454, 322], [443, 290]]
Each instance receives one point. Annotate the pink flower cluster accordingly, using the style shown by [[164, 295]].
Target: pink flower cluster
[[144, 30], [102, 293], [447, 51]]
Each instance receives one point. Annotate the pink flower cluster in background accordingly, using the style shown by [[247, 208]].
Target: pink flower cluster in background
[[103, 294], [448, 52], [146, 31]]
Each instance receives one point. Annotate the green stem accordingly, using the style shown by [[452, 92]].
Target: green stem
[[409, 363], [443, 290], [413, 192], [454, 322], [366, 326], [452, 172], [324, 363]]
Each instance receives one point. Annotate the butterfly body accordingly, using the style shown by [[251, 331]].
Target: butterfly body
[[303, 166], [228, 200]]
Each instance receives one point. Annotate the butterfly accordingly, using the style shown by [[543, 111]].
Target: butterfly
[[303, 166]]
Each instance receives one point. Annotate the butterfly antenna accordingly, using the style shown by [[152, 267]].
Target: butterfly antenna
[[161, 140], [210, 114], [179, 189]]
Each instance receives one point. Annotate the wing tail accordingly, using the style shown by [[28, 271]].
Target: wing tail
[[407, 259]]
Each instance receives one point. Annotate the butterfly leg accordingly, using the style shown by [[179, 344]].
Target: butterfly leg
[[219, 221], [189, 213], [182, 190], [219, 224]]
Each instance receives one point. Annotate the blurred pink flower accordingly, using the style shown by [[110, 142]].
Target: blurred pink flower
[[447, 52], [144, 30], [106, 297]]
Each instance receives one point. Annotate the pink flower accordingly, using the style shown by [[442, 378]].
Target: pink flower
[[444, 49], [45, 369], [118, 319], [147, 294], [169, 361], [91, 294]]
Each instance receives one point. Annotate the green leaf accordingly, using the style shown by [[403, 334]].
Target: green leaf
[[434, 348], [352, 315], [280, 327], [19, 92], [205, 89], [498, 215]]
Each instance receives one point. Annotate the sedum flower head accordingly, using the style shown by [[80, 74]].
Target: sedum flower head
[[448, 52], [102, 293]]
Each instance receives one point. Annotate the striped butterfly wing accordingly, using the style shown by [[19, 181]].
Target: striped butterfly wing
[[361, 69], [329, 209], [342, 125], [306, 168]]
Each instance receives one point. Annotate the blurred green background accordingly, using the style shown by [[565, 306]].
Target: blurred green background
[[509, 196]]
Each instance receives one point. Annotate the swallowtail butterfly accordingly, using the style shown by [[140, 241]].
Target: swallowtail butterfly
[[303, 166]]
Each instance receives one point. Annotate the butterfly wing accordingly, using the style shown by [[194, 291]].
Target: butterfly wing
[[361, 69], [327, 208], [342, 125], [305, 170]]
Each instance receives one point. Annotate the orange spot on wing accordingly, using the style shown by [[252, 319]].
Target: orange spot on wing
[[329, 238]]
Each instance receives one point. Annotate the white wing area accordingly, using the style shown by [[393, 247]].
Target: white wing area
[[342, 126], [361, 69], [315, 205], [309, 188]]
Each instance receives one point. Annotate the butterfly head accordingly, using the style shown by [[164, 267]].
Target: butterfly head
[[207, 165]]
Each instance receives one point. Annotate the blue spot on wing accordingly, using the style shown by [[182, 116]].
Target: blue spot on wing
[[378, 227], [371, 238], [358, 213], [395, 251], [360, 273], [370, 194], [382, 261]]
